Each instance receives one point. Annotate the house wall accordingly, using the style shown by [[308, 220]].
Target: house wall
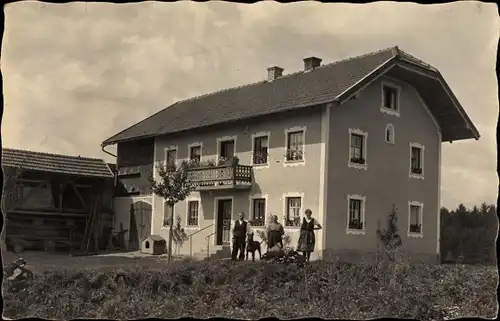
[[273, 182], [386, 180], [135, 155]]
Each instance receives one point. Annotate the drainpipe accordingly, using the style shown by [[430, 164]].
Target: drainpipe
[[114, 172], [115, 181], [102, 148]]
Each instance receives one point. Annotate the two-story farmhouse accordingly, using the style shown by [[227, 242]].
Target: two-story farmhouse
[[347, 140]]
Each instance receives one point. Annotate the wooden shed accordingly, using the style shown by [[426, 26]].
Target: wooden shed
[[53, 200], [153, 244]]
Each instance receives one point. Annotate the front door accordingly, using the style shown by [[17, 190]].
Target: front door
[[224, 216]]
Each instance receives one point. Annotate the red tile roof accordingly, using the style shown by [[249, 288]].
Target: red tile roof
[[55, 163], [324, 84]]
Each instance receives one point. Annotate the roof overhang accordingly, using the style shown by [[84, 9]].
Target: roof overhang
[[451, 118]]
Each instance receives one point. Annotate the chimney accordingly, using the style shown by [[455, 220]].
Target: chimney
[[311, 63], [274, 72]]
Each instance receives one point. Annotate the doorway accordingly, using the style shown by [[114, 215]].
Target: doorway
[[140, 223], [224, 215]]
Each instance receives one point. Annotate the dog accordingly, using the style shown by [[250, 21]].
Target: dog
[[253, 246]]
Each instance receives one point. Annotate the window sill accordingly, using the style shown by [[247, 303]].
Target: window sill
[[417, 176], [192, 227], [390, 111], [416, 235], [291, 227], [289, 163], [259, 166], [358, 166], [355, 232]]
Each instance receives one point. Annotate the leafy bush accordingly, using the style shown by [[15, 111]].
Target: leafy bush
[[256, 290]]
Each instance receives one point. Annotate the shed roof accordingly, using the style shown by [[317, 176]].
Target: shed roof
[[56, 163], [325, 84]]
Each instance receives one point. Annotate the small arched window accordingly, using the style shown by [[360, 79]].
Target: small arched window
[[389, 134]]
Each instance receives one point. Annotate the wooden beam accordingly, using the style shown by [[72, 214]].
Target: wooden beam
[[78, 195], [83, 185]]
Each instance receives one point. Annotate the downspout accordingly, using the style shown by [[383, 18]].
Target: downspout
[[115, 181], [115, 171]]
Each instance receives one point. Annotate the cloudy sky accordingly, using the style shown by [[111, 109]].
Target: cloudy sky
[[75, 74]]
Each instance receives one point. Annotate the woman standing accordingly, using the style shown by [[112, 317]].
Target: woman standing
[[275, 232], [307, 239]]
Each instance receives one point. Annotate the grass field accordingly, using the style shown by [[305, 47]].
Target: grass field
[[246, 290]]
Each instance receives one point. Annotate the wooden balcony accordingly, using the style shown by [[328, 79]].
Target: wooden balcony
[[221, 177]]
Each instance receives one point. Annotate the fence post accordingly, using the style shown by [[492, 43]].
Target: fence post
[[208, 247]]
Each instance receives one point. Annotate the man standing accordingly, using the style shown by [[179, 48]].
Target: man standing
[[240, 231]]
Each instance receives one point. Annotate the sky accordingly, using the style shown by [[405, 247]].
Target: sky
[[76, 74]]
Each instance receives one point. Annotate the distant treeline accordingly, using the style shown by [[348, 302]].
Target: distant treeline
[[469, 235]]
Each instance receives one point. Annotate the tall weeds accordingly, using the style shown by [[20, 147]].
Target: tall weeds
[[257, 290]]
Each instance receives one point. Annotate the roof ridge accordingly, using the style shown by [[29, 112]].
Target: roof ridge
[[287, 75], [221, 90], [50, 154], [420, 61], [356, 57]]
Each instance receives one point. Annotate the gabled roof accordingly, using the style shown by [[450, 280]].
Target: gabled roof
[[55, 163], [325, 84]]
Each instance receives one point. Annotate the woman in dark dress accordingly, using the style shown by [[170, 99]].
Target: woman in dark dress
[[307, 238], [275, 233]]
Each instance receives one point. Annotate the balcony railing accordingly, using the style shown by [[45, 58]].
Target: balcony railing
[[222, 177]]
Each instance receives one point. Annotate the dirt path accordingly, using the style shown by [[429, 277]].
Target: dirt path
[[41, 261]]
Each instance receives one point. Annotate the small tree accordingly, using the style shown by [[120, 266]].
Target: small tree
[[173, 186], [389, 237]]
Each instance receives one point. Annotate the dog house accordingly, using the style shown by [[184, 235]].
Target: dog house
[[153, 244]]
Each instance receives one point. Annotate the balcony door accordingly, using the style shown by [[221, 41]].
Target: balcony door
[[227, 149], [224, 215]]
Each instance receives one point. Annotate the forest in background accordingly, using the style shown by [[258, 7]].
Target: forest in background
[[469, 235]]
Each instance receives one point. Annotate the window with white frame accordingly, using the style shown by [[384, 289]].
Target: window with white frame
[[417, 160], [258, 214], [355, 220], [389, 134], [293, 207], [260, 150], [415, 219], [171, 156], [168, 213], [195, 153], [357, 148], [390, 97], [295, 145], [193, 210]]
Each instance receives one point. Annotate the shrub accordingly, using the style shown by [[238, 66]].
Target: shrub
[[390, 237]]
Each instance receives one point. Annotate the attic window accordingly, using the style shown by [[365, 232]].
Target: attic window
[[390, 99]]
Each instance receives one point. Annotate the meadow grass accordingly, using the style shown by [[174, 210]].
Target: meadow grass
[[246, 290]]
